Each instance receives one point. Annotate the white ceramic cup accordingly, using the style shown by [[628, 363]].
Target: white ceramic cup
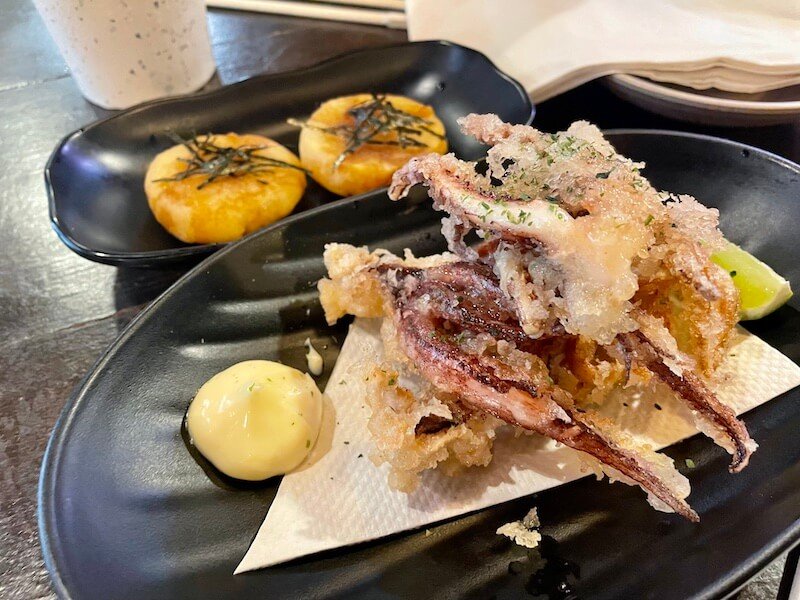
[[123, 52]]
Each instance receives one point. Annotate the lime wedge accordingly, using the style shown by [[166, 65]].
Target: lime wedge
[[761, 289]]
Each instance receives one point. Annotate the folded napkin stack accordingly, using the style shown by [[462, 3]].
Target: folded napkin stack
[[550, 46]]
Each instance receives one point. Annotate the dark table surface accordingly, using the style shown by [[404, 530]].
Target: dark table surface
[[58, 311]]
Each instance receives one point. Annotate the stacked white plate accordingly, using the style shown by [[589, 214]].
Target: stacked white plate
[[710, 106]]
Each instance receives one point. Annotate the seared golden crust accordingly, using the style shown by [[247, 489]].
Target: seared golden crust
[[371, 166], [229, 207]]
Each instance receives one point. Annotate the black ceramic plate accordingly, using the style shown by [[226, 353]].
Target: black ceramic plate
[[127, 512], [95, 176]]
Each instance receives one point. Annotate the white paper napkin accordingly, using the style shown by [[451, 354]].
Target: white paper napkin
[[341, 498], [551, 46]]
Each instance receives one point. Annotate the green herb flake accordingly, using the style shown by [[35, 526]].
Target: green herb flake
[[690, 463], [733, 273], [251, 386], [648, 220], [603, 175], [308, 443], [567, 146], [391, 381]]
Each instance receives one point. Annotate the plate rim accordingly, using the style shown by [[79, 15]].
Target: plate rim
[[151, 258], [46, 509], [663, 92]]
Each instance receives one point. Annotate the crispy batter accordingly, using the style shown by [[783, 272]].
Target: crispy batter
[[589, 282], [600, 233]]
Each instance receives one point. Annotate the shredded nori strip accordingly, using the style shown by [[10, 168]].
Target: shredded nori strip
[[214, 161], [371, 119]]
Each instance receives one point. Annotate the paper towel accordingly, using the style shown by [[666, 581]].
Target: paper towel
[[340, 498]]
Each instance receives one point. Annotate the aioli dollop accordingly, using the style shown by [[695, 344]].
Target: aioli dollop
[[256, 419], [314, 359]]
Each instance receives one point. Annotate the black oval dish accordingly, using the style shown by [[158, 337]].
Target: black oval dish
[[126, 512], [95, 175]]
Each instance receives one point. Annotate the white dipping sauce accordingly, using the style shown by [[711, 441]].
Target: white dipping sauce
[[256, 419], [314, 359]]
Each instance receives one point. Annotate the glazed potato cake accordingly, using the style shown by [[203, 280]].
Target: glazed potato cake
[[248, 194], [327, 136]]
